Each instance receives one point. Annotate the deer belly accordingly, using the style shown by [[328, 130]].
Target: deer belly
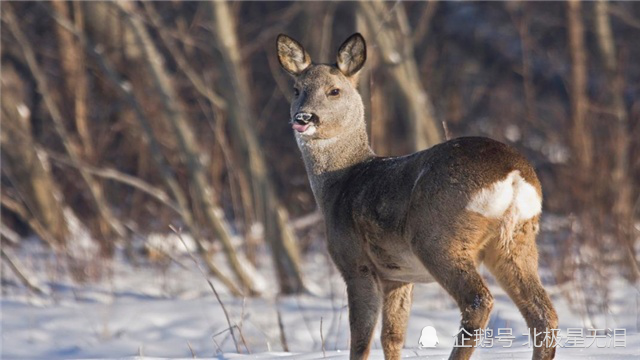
[[399, 265]]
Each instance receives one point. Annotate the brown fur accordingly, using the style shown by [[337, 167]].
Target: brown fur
[[395, 221]]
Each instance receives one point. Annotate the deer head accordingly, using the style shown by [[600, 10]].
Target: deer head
[[325, 101]]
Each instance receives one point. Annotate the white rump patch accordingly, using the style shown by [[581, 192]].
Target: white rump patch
[[495, 200], [528, 202]]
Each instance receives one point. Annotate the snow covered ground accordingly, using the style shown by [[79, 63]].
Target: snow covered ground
[[168, 311]]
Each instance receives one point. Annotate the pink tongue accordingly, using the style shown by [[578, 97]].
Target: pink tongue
[[300, 128]]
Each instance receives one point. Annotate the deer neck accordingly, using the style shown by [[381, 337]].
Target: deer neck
[[328, 160]]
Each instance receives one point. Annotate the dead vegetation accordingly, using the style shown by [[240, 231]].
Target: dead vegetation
[[134, 116]]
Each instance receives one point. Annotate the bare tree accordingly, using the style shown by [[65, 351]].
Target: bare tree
[[137, 115], [111, 226], [40, 203], [581, 140], [273, 215], [396, 48], [204, 195], [75, 79], [520, 18], [181, 205], [623, 201]]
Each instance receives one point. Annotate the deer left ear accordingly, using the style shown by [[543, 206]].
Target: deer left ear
[[352, 55]]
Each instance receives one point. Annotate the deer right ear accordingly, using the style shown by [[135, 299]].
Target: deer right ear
[[292, 55]]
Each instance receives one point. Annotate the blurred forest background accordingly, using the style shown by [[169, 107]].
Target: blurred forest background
[[121, 119]]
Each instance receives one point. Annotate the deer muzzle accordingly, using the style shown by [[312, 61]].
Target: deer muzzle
[[302, 121]]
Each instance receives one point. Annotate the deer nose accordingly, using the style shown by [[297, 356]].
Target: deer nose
[[303, 117]]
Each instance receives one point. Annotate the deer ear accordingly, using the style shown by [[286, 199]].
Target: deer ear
[[352, 55], [292, 55]]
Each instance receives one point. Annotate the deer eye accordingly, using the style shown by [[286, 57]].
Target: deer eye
[[334, 92], [296, 92]]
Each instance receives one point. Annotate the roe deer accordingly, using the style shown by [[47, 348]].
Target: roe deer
[[433, 215]]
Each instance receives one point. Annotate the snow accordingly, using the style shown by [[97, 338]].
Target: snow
[[165, 309]]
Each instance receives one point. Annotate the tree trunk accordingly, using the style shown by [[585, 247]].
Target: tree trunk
[[204, 195], [28, 169], [520, 17], [273, 214], [581, 140], [112, 228], [396, 49], [621, 184], [154, 147], [75, 79]]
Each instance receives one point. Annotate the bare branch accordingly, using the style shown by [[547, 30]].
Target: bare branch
[[113, 174], [403, 70], [182, 62], [168, 176], [211, 286], [94, 187], [17, 269], [273, 215], [422, 30], [581, 135], [17, 208], [186, 142]]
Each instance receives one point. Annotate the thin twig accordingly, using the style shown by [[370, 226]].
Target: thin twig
[[17, 208], [324, 354], [178, 232], [283, 338], [234, 176], [267, 34], [218, 349], [9, 235], [386, 18], [244, 341], [306, 221], [264, 334], [447, 135], [403, 70], [58, 121], [193, 354], [327, 25], [164, 253], [182, 62], [270, 210], [204, 196], [306, 320], [124, 88], [113, 174], [625, 16], [422, 30], [17, 269]]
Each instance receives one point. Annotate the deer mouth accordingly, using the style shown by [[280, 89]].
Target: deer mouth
[[304, 123], [301, 127], [307, 129]]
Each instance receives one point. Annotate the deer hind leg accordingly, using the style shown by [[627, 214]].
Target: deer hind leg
[[365, 298], [517, 272], [455, 269], [395, 316]]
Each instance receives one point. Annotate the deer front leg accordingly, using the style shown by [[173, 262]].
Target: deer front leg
[[364, 293], [395, 316]]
